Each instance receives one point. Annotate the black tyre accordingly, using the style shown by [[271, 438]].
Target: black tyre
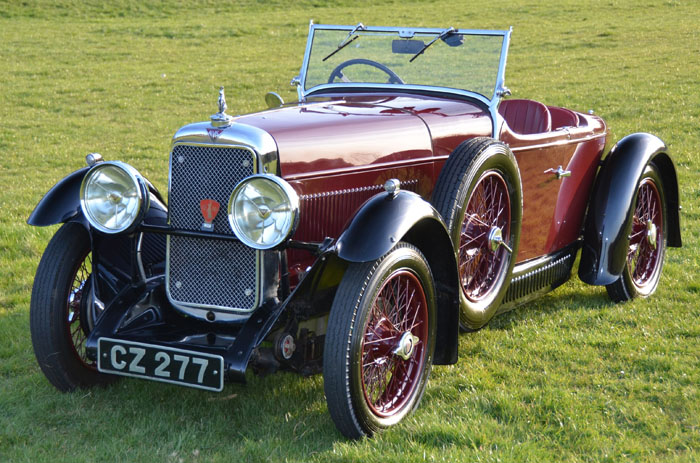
[[60, 316], [479, 195], [380, 341], [647, 241]]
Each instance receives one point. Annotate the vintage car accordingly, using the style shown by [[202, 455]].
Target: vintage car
[[353, 232]]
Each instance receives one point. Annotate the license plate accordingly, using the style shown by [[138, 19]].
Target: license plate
[[158, 363]]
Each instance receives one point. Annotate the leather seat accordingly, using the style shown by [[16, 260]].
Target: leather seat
[[562, 117], [526, 116]]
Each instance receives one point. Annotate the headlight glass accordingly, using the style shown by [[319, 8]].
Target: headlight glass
[[112, 196], [263, 211]]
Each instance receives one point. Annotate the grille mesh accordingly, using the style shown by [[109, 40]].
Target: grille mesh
[[209, 273], [205, 272]]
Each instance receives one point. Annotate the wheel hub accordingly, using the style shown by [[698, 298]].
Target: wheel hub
[[651, 234], [495, 238], [407, 345]]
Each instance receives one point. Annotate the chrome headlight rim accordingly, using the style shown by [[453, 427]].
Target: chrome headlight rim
[[293, 202], [140, 185]]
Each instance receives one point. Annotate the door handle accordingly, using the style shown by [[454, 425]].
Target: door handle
[[558, 172]]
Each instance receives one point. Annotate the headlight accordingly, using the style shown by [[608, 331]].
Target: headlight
[[263, 211], [113, 196]]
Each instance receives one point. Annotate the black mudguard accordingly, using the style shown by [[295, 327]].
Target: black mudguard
[[383, 221], [112, 254], [609, 219], [61, 203]]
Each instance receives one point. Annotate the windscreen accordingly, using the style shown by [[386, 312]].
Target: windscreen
[[454, 60]]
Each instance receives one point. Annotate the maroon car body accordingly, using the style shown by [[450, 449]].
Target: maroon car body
[[352, 232], [431, 128]]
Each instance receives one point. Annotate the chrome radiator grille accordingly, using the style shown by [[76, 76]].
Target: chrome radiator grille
[[208, 273]]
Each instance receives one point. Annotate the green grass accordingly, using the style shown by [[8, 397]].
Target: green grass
[[570, 377]]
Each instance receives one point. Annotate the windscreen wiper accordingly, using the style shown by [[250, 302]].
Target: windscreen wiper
[[442, 35], [347, 40]]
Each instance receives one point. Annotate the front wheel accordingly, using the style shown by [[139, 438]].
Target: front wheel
[[647, 241], [61, 316], [380, 341]]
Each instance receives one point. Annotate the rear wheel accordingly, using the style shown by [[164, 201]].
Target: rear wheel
[[380, 340], [61, 315], [647, 241], [479, 196]]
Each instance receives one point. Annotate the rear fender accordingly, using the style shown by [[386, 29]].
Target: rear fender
[[383, 221], [609, 219]]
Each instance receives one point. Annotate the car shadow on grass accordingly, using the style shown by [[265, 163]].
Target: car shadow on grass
[[278, 417], [568, 300]]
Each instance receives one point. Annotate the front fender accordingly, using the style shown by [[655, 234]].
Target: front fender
[[385, 220], [609, 218], [61, 203]]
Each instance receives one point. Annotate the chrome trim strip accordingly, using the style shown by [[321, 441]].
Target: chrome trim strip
[[354, 169]]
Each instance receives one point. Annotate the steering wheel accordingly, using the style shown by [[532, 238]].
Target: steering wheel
[[338, 71]]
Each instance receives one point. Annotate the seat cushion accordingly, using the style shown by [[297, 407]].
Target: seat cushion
[[526, 116]]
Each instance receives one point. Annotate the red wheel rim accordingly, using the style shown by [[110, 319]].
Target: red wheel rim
[[74, 312], [399, 311], [646, 240], [488, 208]]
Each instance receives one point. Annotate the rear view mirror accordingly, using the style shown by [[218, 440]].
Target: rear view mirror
[[273, 100], [454, 40], [408, 47]]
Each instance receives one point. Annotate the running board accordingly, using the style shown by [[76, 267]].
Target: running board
[[535, 277]]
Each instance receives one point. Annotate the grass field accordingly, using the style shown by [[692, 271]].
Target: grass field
[[570, 377]]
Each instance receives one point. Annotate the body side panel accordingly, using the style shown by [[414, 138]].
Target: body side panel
[[554, 209]]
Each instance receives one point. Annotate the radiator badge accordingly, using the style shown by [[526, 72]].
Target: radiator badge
[[209, 209], [214, 133]]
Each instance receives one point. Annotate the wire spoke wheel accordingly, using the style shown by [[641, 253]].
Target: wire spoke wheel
[[647, 241], [643, 256], [76, 315], [479, 195], [380, 341], [488, 210], [398, 317]]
